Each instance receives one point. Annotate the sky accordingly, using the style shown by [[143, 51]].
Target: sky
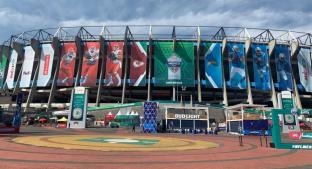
[[17, 16]]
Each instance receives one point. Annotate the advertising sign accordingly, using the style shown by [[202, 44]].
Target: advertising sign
[[174, 67], [138, 64], [283, 67], [90, 64], [261, 69], [213, 65], [236, 56], [29, 57], [3, 63], [78, 108], [11, 70], [67, 65], [305, 69], [114, 64], [46, 62]]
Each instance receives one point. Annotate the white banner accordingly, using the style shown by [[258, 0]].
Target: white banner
[[46, 62], [11, 70], [305, 71], [28, 63]]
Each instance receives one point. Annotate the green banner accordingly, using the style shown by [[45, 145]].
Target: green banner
[[3, 63], [174, 67], [78, 107]]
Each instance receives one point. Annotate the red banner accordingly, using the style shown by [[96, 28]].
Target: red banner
[[138, 64], [90, 64], [67, 65], [114, 64]]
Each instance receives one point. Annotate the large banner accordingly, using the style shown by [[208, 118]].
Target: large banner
[[305, 71], [174, 67], [46, 62], [236, 56], [29, 57], [138, 64], [90, 64], [114, 64], [283, 68], [213, 65], [261, 66], [11, 70], [67, 65], [3, 63]]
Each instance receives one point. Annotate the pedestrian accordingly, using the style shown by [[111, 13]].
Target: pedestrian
[[133, 128]]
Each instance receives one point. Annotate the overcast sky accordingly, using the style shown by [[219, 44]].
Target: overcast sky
[[21, 15]]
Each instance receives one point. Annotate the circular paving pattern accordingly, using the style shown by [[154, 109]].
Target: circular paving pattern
[[115, 143]]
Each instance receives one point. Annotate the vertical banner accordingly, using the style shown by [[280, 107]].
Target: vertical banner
[[114, 64], [17, 114], [261, 66], [3, 63], [213, 65], [90, 64], [237, 65], [138, 64], [11, 70], [174, 67], [78, 108], [67, 65], [305, 71], [283, 67], [46, 62], [29, 57]]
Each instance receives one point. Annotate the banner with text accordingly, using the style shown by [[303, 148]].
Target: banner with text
[[3, 63], [11, 70], [29, 57], [46, 63], [305, 71]]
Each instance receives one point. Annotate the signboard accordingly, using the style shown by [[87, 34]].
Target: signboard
[[138, 64], [11, 70], [67, 65], [46, 62], [236, 56], [191, 114], [283, 68], [29, 57], [305, 69], [174, 67], [114, 64], [213, 65], [78, 109], [287, 100], [3, 63]]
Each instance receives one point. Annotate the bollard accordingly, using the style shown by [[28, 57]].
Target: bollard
[[266, 141], [240, 138], [260, 141]]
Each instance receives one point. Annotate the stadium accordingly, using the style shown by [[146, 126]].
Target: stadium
[[196, 65]]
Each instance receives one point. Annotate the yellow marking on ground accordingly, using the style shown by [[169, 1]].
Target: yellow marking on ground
[[73, 142]]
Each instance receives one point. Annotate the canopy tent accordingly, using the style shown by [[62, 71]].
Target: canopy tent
[[63, 119]]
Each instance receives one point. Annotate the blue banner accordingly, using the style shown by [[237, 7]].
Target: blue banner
[[236, 56], [283, 67], [261, 66], [213, 65], [17, 114]]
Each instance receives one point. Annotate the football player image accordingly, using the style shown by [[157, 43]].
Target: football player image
[[66, 67], [283, 71], [236, 59], [260, 59], [114, 58], [91, 57]]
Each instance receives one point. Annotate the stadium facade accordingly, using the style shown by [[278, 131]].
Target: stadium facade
[[133, 63]]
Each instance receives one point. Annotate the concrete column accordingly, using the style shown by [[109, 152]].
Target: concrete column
[[149, 56], [199, 95], [294, 54], [273, 93], [126, 66], [102, 70], [225, 99], [249, 93]]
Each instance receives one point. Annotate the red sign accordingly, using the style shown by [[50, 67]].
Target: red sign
[[67, 65], [296, 135], [114, 64], [138, 65], [46, 64]]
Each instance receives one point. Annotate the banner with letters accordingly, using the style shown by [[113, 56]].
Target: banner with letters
[[283, 68], [261, 69], [305, 70], [174, 67], [46, 63], [67, 65], [29, 57], [114, 64], [236, 56], [138, 64], [213, 65], [3, 64], [11, 69], [90, 64]]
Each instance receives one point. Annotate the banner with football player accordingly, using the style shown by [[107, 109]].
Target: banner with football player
[[11, 70], [90, 64], [283, 67], [114, 64], [138, 64], [29, 57], [174, 67], [213, 65], [304, 66], [236, 56], [46, 63], [67, 65], [261, 69], [3, 63]]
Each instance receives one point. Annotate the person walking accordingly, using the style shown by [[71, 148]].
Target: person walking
[[133, 128]]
